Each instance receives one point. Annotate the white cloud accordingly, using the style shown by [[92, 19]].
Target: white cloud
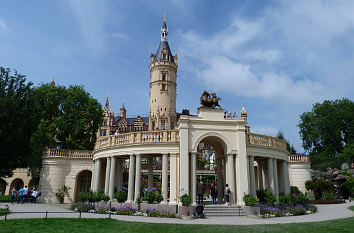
[[3, 26], [120, 36]]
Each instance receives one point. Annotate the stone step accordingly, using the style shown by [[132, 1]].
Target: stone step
[[221, 210]]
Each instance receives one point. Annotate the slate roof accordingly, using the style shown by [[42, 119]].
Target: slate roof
[[158, 54], [130, 120]]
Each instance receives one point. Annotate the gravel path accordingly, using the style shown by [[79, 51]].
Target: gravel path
[[325, 212]]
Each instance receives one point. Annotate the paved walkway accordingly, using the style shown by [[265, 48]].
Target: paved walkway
[[325, 212]]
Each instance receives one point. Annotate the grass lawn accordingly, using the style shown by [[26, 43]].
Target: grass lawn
[[2, 211], [111, 225]]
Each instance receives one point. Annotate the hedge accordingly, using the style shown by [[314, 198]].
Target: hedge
[[5, 198]]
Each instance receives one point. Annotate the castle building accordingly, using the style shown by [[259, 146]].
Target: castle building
[[127, 149]]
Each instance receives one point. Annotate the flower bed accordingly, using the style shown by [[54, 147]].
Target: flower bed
[[270, 212], [101, 208]]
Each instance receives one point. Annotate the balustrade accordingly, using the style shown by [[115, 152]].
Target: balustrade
[[161, 136], [298, 158], [61, 153], [266, 141]]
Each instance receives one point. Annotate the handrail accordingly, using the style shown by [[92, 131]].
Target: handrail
[[140, 137], [299, 158], [266, 141], [62, 153]]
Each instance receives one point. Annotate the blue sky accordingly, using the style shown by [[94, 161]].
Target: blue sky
[[278, 57]]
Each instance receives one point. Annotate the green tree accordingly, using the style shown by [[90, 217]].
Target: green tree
[[289, 147], [69, 118], [17, 120], [326, 130]]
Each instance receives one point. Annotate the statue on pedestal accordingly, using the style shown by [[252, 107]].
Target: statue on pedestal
[[210, 100]]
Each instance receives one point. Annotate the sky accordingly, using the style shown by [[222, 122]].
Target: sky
[[276, 57]]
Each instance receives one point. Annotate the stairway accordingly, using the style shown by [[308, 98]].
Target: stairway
[[222, 210]]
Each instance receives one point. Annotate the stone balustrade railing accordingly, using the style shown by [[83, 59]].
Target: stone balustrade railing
[[140, 137], [61, 153], [266, 141], [299, 158]]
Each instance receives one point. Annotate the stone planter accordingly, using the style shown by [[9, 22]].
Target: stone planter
[[186, 211], [252, 210]]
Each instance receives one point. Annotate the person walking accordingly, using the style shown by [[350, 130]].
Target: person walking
[[213, 193], [227, 195]]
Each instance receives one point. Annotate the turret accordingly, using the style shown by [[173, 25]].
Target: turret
[[163, 83]]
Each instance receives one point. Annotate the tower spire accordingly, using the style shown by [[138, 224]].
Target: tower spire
[[164, 29], [106, 105]]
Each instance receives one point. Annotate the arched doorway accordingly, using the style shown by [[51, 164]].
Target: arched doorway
[[83, 182], [16, 184], [2, 186], [211, 165], [34, 182]]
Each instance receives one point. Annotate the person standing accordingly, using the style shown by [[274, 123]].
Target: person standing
[[25, 193], [227, 195], [200, 193], [213, 193], [20, 196], [13, 195]]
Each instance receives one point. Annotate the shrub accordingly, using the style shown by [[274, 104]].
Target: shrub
[[159, 197], [125, 210], [62, 192], [269, 197], [329, 195], [186, 200], [297, 211], [261, 195], [101, 196], [82, 197], [302, 199], [5, 198], [349, 186], [313, 208], [121, 195], [74, 206], [319, 187], [149, 197], [250, 200], [85, 207], [284, 199], [91, 196], [294, 190], [152, 212]]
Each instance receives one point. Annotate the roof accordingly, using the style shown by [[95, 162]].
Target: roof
[[158, 54], [130, 120]]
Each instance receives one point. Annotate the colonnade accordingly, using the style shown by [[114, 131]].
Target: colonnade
[[114, 176]]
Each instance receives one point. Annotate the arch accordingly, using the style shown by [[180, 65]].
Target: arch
[[33, 182], [216, 140], [2, 186], [16, 184], [82, 182]]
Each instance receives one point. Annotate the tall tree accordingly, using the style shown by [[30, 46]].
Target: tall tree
[[69, 119], [289, 147], [326, 130], [17, 120]]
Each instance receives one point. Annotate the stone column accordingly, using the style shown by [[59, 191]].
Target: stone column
[[260, 175], [286, 181], [270, 174], [219, 185], [252, 176], [112, 179], [275, 172], [108, 169], [230, 177], [150, 172], [120, 174], [131, 179], [241, 165], [93, 178], [173, 179], [97, 175], [194, 178], [137, 176], [164, 178]]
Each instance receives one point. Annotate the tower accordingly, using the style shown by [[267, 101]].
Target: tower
[[163, 77]]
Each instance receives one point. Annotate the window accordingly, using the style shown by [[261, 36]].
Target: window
[[103, 132], [153, 125], [164, 56], [163, 87], [163, 125], [164, 77], [105, 122]]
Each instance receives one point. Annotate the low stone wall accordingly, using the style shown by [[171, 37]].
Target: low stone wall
[[145, 206]]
